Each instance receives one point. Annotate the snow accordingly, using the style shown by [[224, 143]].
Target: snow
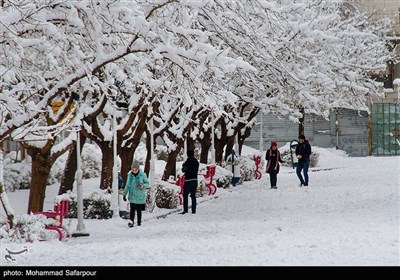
[[348, 216]]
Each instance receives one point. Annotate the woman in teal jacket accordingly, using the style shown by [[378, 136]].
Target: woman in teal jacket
[[135, 188]]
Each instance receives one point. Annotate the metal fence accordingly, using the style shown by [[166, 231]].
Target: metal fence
[[385, 125]]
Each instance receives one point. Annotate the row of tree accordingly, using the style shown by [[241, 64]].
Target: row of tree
[[191, 67]]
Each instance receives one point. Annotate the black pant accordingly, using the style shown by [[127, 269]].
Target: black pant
[[273, 177], [139, 208], [189, 187]]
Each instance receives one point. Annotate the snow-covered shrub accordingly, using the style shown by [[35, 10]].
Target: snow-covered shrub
[[162, 153], [314, 159], [27, 228], [57, 170], [167, 195], [285, 155], [247, 168], [91, 161], [96, 206], [202, 190], [223, 177], [16, 174]]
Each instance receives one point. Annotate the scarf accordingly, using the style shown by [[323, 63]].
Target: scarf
[[278, 154]]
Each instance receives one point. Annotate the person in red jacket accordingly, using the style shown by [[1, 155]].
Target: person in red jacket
[[273, 157]]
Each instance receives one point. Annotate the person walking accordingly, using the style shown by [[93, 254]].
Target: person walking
[[121, 204], [303, 153], [273, 156], [190, 167], [135, 189]]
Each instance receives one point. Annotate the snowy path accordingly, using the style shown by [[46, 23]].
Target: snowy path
[[348, 216]]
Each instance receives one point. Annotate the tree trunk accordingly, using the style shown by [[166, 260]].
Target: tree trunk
[[3, 195], [41, 164], [205, 147], [219, 149], [301, 122], [107, 163], [126, 156], [190, 143], [6, 205], [67, 180], [148, 154], [171, 160], [228, 149], [243, 137]]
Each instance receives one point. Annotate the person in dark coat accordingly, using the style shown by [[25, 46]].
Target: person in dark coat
[[122, 206], [190, 167], [303, 153], [273, 157]]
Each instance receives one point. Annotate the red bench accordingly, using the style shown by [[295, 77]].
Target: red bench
[[60, 210], [212, 189], [257, 173], [180, 182]]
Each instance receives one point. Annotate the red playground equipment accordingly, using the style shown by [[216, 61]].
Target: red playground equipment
[[257, 173]]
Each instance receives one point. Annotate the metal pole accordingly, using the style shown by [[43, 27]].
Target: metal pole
[[152, 166], [1, 165], [212, 138], [115, 172], [80, 229], [261, 134], [185, 150]]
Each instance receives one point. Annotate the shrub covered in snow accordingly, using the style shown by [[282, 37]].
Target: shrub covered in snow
[[247, 168], [16, 174], [285, 155], [27, 228], [167, 195], [96, 206]]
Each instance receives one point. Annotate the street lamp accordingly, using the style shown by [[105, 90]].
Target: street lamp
[[80, 228], [212, 138], [261, 133], [114, 198], [115, 171], [152, 166], [1, 165]]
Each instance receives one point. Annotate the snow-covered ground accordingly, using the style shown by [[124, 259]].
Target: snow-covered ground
[[348, 216]]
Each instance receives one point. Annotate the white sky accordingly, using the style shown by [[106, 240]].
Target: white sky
[[348, 216]]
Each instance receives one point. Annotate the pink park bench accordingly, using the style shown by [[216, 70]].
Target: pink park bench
[[60, 210]]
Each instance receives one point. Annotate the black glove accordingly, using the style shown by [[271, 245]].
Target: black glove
[[124, 198]]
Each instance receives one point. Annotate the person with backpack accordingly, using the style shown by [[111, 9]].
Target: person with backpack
[[303, 153], [273, 157]]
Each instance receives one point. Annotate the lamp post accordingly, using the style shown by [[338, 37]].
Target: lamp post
[[114, 203], [261, 133], [152, 166], [1, 165], [80, 228], [212, 138]]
